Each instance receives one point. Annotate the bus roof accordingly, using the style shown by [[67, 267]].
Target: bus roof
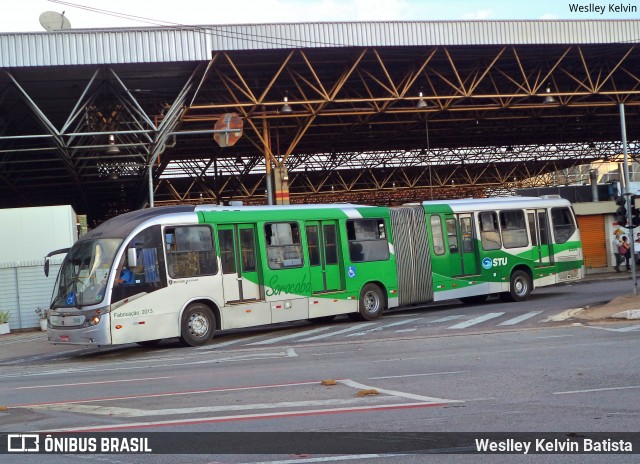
[[507, 202], [122, 225]]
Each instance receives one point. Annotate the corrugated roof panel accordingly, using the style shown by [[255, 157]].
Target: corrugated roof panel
[[143, 45]]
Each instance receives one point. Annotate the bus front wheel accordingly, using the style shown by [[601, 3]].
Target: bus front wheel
[[520, 287], [198, 325], [371, 304]]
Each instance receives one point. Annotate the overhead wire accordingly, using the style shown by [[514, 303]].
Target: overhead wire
[[216, 31]]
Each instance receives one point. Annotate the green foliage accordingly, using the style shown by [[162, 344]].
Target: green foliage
[[4, 317]]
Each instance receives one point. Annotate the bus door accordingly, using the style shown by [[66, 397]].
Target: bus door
[[324, 258], [468, 244], [463, 250], [540, 237], [241, 272]]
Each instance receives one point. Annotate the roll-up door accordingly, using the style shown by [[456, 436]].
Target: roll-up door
[[594, 242]]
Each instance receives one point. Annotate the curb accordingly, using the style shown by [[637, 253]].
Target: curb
[[628, 314]]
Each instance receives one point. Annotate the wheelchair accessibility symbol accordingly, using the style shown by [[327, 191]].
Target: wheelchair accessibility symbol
[[351, 272]]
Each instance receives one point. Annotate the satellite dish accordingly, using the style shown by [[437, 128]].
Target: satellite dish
[[54, 21]]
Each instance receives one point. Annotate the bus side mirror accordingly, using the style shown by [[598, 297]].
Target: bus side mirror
[[46, 267], [132, 257]]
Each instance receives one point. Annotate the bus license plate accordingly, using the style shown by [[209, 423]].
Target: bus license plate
[[64, 338]]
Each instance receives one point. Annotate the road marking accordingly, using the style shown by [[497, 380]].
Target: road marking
[[272, 415], [179, 393], [288, 353], [416, 375], [214, 345], [632, 387], [564, 315], [445, 319], [338, 332], [350, 457], [131, 412], [477, 320], [399, 394], [622, 329], [289, 337], [91, 383], [376, 329], [522, 317]]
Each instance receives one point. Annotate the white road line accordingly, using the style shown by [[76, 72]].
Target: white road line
[[416, 375], [622, 329], [632, 387], [338, 332], [350, 457], [522, 317], [382, 327], [91, 383], [214, 345], [445, 319], [288, 337], [477, 320], [180, 393], [399, 394], [201, 420], [131, 412]]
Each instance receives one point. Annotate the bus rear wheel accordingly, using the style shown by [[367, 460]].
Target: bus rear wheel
[[371, 304], [198, 325], [520, 287]]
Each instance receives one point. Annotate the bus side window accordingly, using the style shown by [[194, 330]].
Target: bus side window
[[284, 249], [367, 240], [489, 231], [466, 230], [452, 235], [563, 225], [190, 251], [437, 235], [514, 229]]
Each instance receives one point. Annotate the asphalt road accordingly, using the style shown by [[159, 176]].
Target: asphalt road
[[525, 367]]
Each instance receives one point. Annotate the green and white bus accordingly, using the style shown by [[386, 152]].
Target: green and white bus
[[188, 271]]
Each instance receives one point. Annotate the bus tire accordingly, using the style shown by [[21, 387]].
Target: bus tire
[[371, 305], [520, 287], [475, 299], [198, 325]]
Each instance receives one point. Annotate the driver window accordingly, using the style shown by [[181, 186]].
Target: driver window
[[147, 273]]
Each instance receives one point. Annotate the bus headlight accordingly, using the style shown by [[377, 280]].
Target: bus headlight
[[95, 320]]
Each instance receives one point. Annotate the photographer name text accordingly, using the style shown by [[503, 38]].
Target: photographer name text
[[602, 8], [542, 445]]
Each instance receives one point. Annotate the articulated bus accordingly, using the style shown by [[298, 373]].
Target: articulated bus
[[188, 271]]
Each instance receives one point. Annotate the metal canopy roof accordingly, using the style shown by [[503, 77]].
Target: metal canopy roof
[[502, 102]]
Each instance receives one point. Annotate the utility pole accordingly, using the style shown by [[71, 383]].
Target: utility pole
[[628, 198]]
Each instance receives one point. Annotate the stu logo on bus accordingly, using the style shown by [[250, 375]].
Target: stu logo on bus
[[488, 263]]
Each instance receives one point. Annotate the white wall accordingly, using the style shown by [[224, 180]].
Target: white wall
[[28, 234]]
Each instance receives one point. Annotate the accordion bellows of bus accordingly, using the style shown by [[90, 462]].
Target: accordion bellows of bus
[[189, 271]]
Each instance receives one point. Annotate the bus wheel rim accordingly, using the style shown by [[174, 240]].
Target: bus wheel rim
[[371, 302], [520, 286], [198, 325]]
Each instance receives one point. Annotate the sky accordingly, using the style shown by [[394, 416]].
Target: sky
[[23, 15]]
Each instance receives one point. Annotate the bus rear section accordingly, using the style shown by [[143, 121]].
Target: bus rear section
[[472, 248]]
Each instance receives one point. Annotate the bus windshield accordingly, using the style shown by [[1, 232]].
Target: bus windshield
[[82, 280]]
